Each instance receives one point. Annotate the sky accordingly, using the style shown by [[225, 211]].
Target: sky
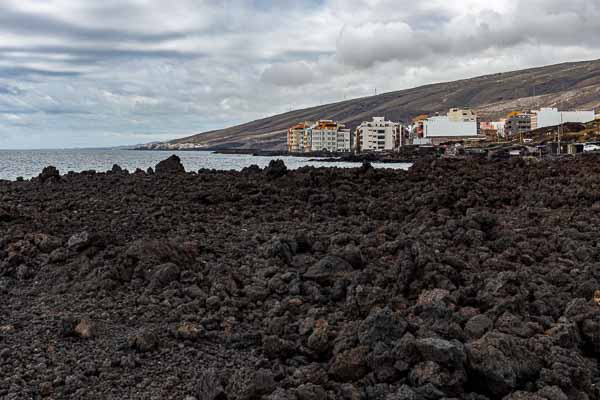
[[84, 73]]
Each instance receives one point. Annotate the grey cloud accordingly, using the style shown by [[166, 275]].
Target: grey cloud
[[288, 74], [85, 55], [28, 24], [530, 22], [10, 90], [304, 55], [100, 72], [24, 72]]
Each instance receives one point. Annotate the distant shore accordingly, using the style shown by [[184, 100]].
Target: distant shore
[[407, 154]]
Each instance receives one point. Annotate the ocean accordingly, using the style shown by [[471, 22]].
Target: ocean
[[29, 163]]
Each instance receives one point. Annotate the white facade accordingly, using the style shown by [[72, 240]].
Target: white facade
[[421, 141], [499, 125], [324, 139], [344, 140], [330, 136], [438, 127], [551, 117], [378, 135]]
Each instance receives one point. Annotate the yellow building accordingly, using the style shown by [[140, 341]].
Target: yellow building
[[462, 114], [299, 138]]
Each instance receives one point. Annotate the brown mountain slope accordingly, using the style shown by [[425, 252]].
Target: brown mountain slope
[[568, 86]]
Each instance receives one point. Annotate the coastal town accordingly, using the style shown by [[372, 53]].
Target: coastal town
[[546, 130], [459, 125]]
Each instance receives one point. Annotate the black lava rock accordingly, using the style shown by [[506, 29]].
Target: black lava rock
[[171, 165]]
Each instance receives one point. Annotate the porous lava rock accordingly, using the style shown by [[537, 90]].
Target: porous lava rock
[[50, 173], [171, 165], [456, 279]]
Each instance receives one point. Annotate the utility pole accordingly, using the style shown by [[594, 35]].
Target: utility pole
[[520, 136], [559, 132]]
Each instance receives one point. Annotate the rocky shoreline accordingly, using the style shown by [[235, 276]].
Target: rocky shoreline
[[456, 279]]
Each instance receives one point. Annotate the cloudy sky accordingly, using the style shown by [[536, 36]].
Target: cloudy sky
[[79, 73]]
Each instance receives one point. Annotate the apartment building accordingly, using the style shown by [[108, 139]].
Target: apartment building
[[323, 135], [517, 123], [299, 138], [462, 114], [345, 141], [500, 125], [378, 135]]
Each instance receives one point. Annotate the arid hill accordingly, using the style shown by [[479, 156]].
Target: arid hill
[[568, 86]]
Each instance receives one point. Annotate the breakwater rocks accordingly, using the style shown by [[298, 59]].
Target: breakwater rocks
[[456, 279]]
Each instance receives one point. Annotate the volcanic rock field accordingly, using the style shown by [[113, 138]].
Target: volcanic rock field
[[460, 279]]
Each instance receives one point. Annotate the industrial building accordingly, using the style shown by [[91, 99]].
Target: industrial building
[[546, 117], [378, 135]]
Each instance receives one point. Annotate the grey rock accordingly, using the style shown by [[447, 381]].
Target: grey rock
[[78, 240], [171, 165], [164, 274], [328, 269], [248, 383], [477, 326], [381, 326], [209, 385], [143, 341], [449, 353], [498, 361]]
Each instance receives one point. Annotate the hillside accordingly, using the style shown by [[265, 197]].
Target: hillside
[[569, 86]]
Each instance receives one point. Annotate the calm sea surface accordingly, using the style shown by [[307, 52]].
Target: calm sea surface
[[29, 163]]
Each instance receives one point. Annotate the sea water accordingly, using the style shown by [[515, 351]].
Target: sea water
[[29, 163]]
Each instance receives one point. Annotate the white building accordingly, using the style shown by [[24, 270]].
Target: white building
[[499, 125], [344, 140], [330, 136], [551, 117], [441, 129], [378, 135]]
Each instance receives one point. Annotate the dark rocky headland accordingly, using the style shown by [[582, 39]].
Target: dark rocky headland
[[456, 279]]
